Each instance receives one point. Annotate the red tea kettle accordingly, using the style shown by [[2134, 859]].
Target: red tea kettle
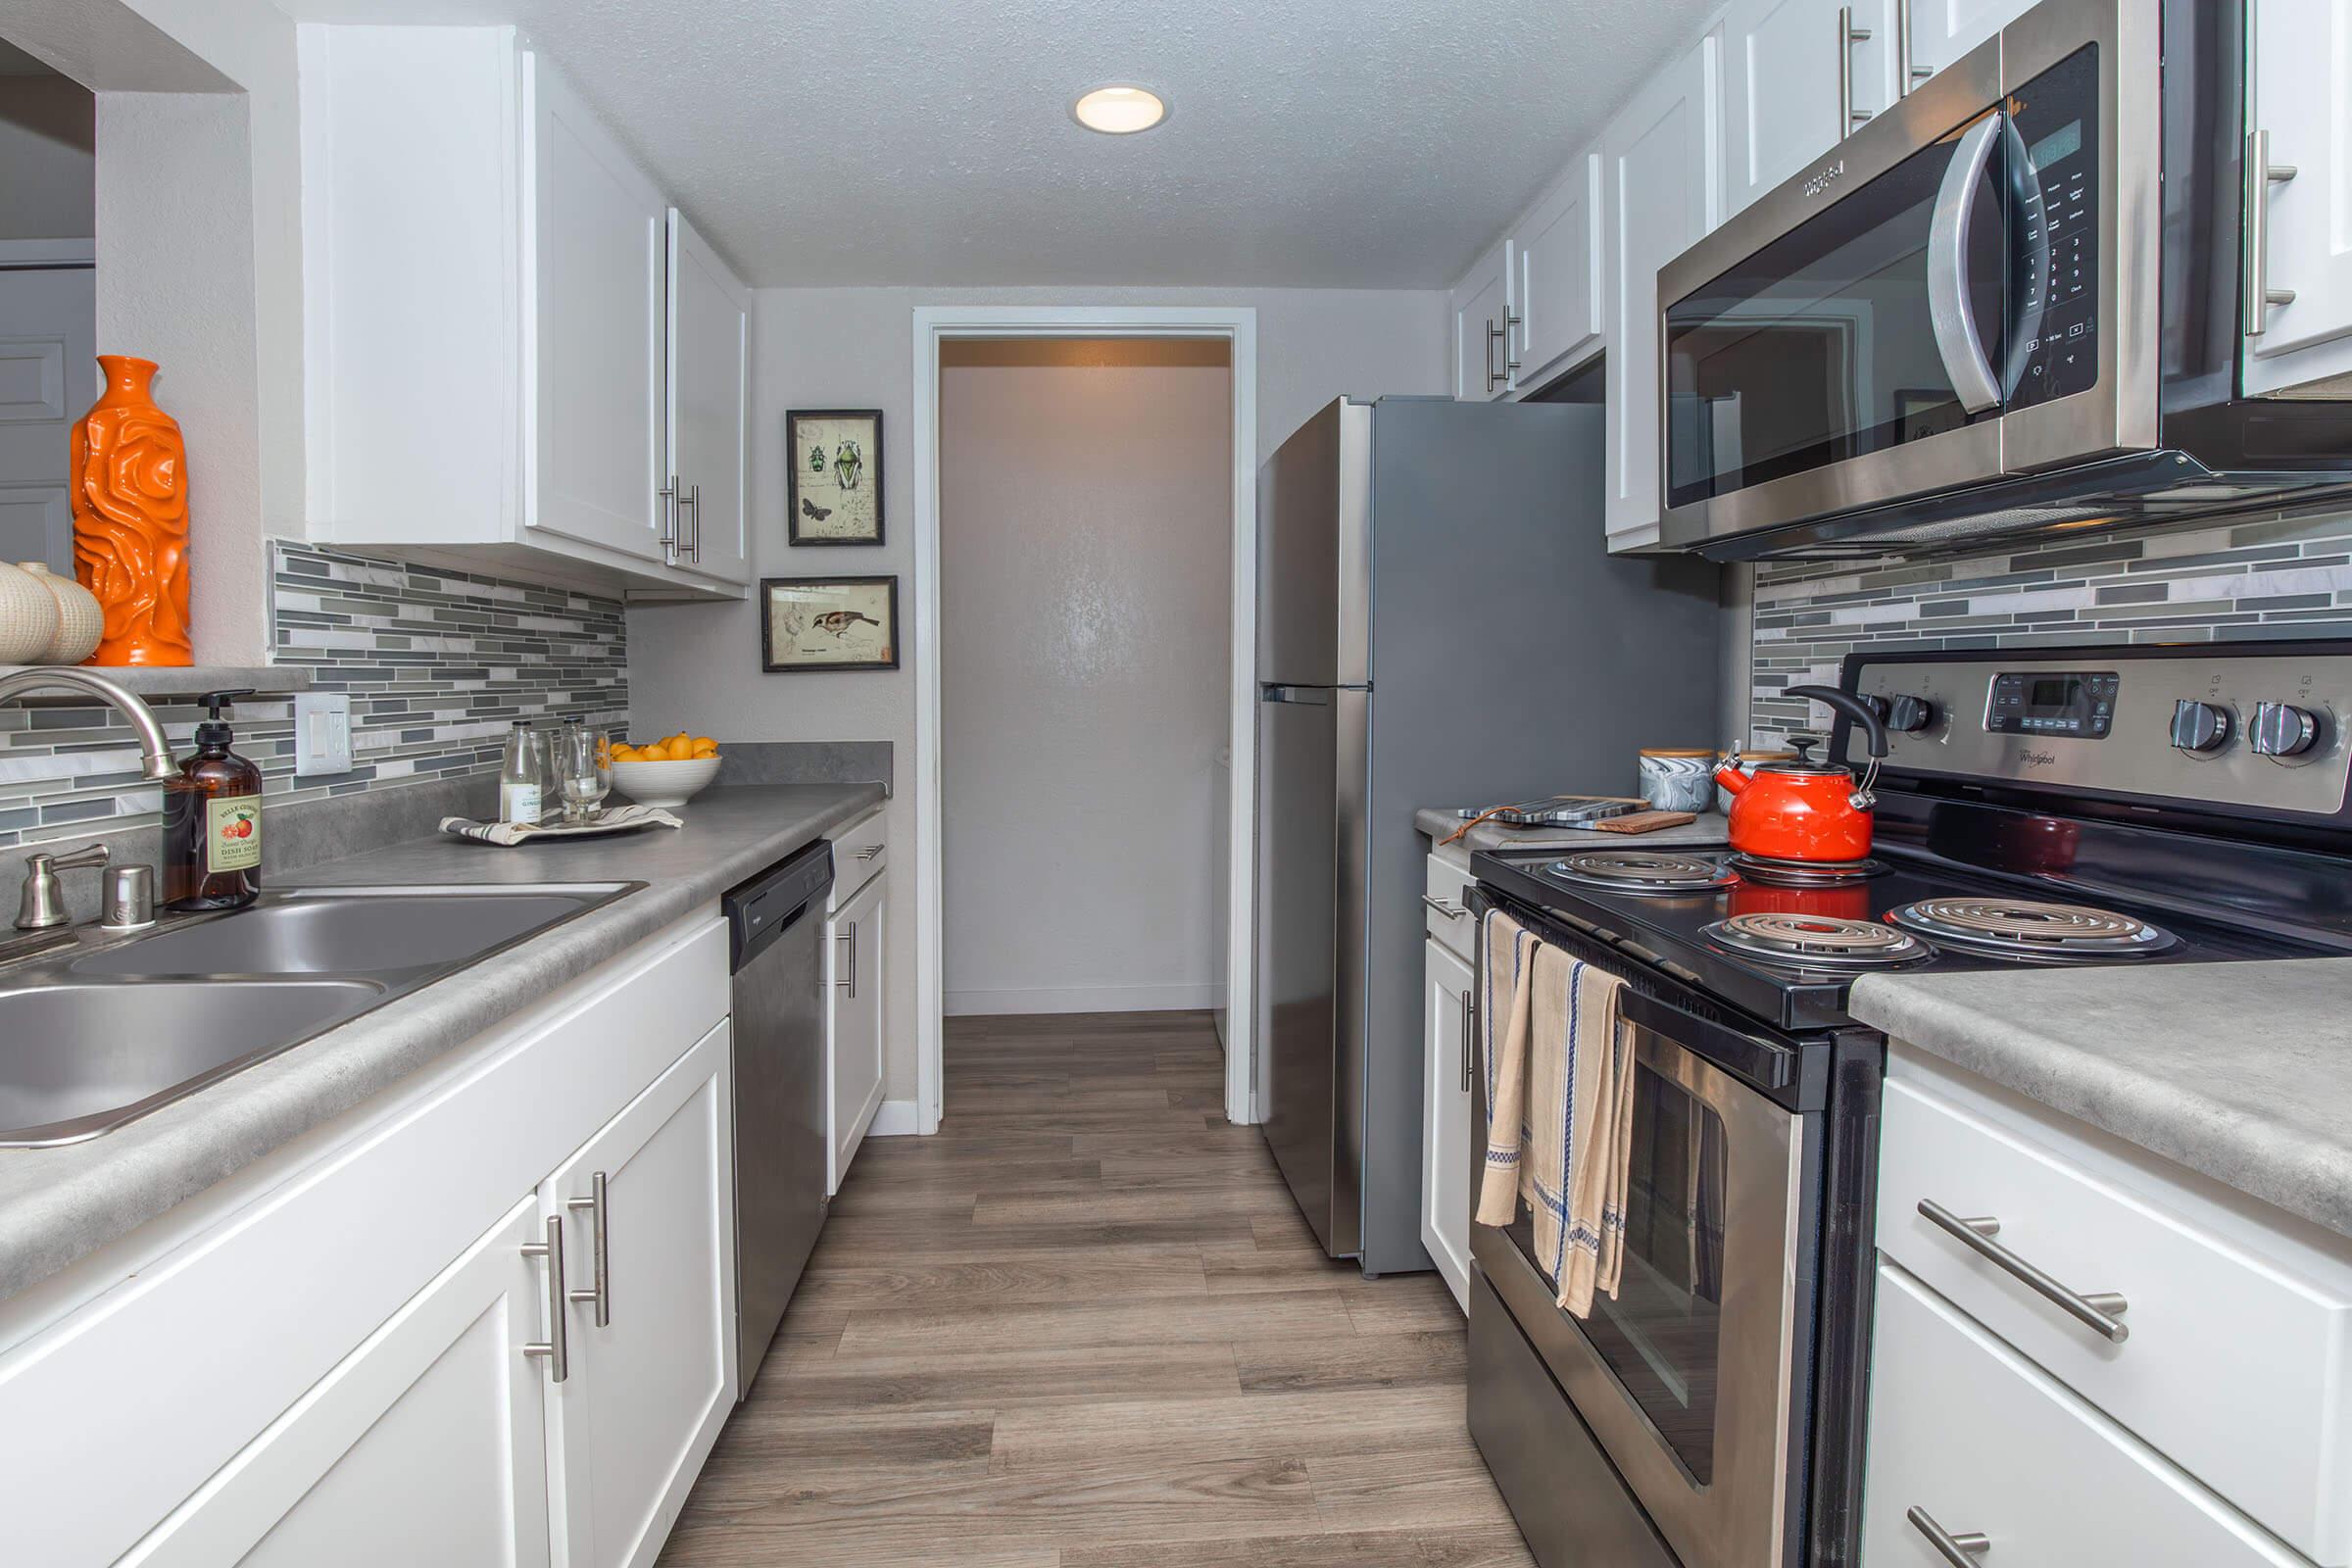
[[1802, 809]]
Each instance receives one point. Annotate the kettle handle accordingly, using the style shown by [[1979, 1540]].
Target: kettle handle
[[1853, 707]]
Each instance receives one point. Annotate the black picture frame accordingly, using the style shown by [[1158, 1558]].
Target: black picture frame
[[888, 583], [800, 510]]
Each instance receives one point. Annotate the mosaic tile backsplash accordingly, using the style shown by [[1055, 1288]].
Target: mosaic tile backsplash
[[2266, 580], [438, 664]]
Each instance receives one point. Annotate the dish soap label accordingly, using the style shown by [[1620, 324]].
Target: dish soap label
[[233, 833]]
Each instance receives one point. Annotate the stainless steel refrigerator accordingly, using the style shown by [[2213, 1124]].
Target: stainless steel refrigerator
[[1438, 622]]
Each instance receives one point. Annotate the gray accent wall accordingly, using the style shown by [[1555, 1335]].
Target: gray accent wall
[[2283, 578]]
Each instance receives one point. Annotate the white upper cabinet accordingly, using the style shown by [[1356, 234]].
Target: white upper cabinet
[[2301, 94], [1482, 327], [487, 314], [710, 387], [1562, 315], [1799, 75], [1942, 30], [1663, 187]]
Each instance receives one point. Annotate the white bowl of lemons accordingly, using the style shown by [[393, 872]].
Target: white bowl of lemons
[[666, 772]]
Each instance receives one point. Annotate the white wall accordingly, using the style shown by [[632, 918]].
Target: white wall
[[47, 137], [1085, 558], [697, 667]]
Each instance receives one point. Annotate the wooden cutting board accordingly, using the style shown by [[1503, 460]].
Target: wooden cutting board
[[1644, 822]]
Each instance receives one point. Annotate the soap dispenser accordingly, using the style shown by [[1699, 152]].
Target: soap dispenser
[[212, 820]]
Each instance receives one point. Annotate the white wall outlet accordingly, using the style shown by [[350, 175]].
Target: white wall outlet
[[321, 733]]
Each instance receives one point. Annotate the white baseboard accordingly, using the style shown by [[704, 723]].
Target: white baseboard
[[1085, 998], [896, 1119]]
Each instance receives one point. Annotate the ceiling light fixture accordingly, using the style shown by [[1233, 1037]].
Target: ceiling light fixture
[[1119, 109]]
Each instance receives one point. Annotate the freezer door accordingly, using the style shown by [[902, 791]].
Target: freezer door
[[1314, 531]]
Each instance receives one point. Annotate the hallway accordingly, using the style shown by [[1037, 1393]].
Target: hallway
[[1085, 1322]]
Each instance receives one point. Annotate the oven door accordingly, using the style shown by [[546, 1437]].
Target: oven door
[[1938, 303], [1687, 1376]]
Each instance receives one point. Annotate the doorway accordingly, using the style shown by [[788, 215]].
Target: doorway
[[1021, 347]]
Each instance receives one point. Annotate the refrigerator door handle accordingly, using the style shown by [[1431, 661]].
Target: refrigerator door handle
[[1303, 695]]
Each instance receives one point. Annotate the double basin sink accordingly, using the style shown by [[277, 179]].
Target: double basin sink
[[105, 1030]]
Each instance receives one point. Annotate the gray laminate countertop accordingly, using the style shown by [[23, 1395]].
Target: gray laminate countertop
[[1438, 821], [2239, 1071], [58, 1205]]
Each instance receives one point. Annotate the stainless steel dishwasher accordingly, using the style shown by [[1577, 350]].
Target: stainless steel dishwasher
[[776, 924]]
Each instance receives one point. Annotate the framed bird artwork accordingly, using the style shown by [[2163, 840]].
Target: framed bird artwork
[[828, 624], [835, 460]]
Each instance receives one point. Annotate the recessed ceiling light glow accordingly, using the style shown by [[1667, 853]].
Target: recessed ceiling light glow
[[1119, 111]]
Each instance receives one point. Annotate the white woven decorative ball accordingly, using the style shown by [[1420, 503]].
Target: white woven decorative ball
[[80, 618], [29, 617]]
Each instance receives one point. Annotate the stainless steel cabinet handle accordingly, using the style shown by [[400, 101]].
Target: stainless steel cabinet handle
[[1961, 1550], [1469, 1033], [669, 519], [2261, 176], [1907, 75], [848, 938], [1444, 906], [2096, 1310], [1493, 379], [866, 851], [556, 1348], [1954, 325], [694, 502], [600, 1241], [1508, 322], [1848, 35]]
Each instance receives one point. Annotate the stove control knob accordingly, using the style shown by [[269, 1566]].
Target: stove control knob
[[1908, 716], [2281, 729], [2201, 727]]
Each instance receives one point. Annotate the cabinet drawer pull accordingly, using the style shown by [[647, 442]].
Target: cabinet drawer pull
[[1469, 1033], [2097, 1310], [866, 851], [600, 1243], [1492, 334], [2260, 175], [671, 498], [556, 1348], [1444, 906], [1848, 35], [693, 501], [849, 939], [1961, 1550]]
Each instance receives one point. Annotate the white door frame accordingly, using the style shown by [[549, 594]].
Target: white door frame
[[933, 324]]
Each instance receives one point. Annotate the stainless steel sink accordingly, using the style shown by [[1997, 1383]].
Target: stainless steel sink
[[75, 1059], [320, 934], [108, 1028]]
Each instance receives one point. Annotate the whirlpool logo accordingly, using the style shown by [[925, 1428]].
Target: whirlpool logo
[[1822, 178], [2037, 758]]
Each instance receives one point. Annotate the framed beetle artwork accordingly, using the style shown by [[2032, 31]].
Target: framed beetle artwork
[[828, 624], [835, 495]]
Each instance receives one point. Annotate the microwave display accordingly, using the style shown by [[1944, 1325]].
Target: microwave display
[[2074, 703], [2059, 355]]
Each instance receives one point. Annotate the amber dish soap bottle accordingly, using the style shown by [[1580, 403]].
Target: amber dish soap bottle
[[212, 820]]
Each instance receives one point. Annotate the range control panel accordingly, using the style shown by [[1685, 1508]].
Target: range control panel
[[2243, 728]]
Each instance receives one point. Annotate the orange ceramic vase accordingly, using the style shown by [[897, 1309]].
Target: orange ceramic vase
[[130, 518]]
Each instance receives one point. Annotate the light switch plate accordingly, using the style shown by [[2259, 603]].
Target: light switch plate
[[321, 733]]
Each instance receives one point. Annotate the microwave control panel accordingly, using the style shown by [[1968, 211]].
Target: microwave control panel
[[2056, 224]]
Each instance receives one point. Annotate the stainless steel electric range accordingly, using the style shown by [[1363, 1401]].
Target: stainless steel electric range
[[2131, 804]]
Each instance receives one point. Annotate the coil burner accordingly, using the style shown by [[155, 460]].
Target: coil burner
[[1805, 873], [1817, 942], [1643, 872], [2022, 928]]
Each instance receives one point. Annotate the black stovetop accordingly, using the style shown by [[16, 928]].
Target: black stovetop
[[1667, 929]]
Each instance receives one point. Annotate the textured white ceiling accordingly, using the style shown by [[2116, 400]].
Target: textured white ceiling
[[1366, 143]]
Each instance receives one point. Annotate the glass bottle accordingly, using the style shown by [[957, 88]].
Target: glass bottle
[[521, 776]]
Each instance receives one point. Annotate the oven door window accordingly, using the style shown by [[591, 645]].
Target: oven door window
[[1662, 1333], [1824, 346]]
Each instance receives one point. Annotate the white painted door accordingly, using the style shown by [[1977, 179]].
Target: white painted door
[[1942, 30], [855, 940], [1481, 307], [710, 383], [1561, 316], [428, 1444], [1786, 102], [1449, 1037], [650, 1386], [1663, 185], [593, 322], [2301, 70], [48, 379]]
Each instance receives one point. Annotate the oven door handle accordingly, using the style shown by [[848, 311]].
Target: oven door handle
[[1957, 340], [1759, 1060]]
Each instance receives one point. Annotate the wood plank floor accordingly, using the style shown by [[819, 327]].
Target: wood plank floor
[[1085, 1327]]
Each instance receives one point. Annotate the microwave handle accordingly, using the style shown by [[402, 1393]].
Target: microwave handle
[[1974, 385]]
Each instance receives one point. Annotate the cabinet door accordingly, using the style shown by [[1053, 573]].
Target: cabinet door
[[1481, 307], [1559, 298], [1942, 30], [1785, 100], [650, 1386], [2301, 70], [428, 1444], [593, 328], [855, 940], [1662, 190], [710, 381], [1449, 1038]]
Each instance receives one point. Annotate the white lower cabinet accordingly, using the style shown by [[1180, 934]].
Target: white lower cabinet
[[856, 936], [1449, 1035]]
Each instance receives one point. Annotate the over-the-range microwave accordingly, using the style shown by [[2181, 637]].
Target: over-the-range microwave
[[2012, 304]]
